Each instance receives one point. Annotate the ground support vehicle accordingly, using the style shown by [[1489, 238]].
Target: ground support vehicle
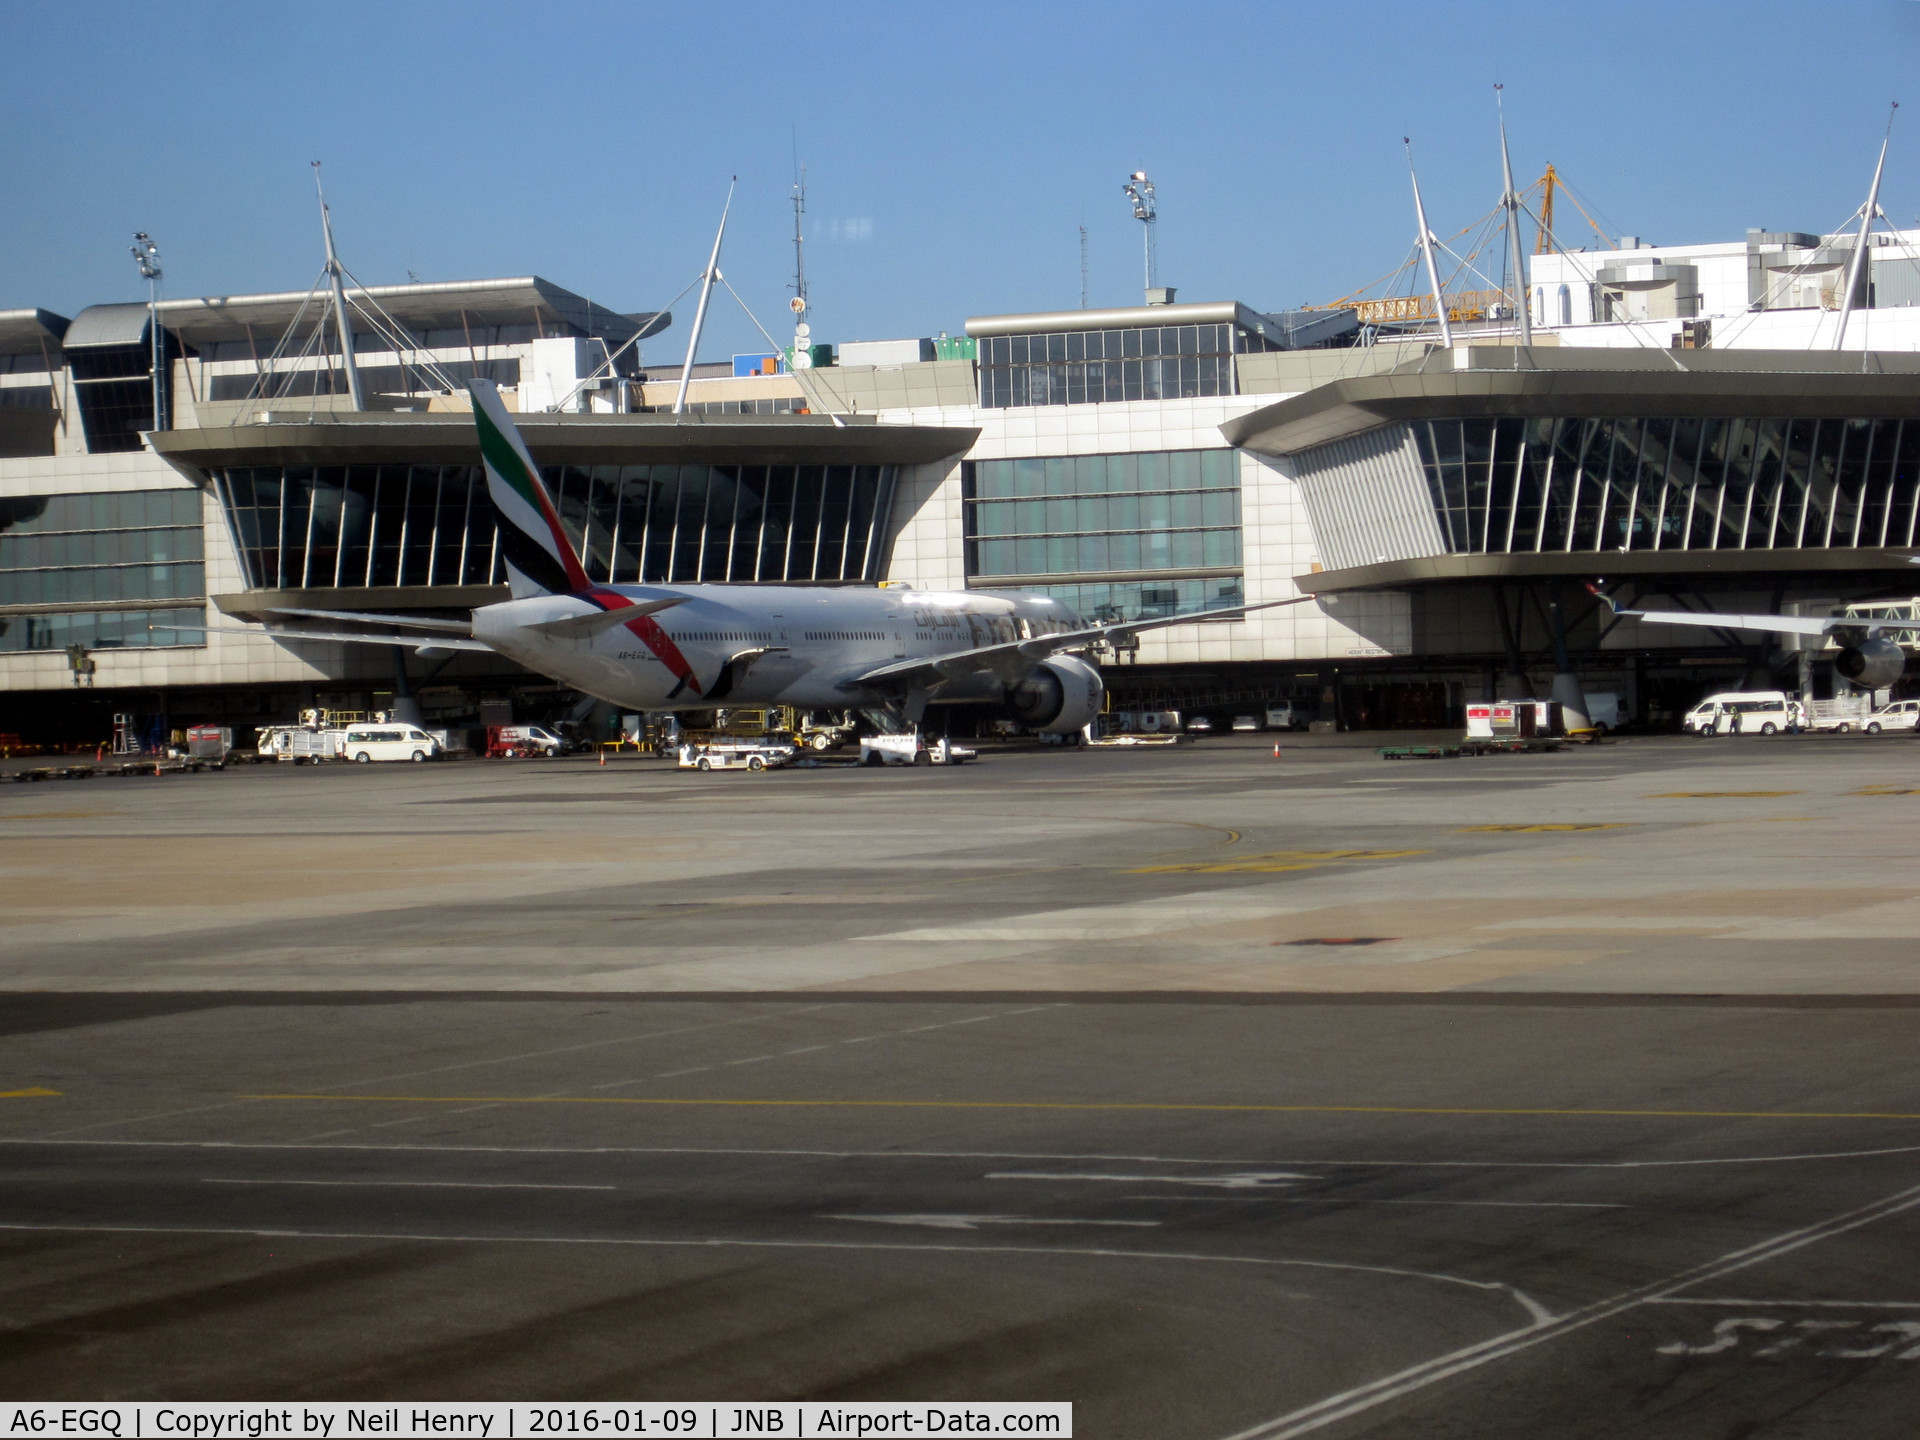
[[364, 744], [1900, 715], [912, 750], [1841, 716], [1504, 720], [1742, 712], [508, 742], [298, 743], [735, 755]]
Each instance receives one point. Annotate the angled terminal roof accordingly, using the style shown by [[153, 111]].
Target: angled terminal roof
[[23, 331], [427, 305], [1591, 382], [374, 437]]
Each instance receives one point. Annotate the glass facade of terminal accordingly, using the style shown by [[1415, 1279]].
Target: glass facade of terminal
[[1086, 367], [321, 526], [1103, 524], [132, 557], [1514, 485]]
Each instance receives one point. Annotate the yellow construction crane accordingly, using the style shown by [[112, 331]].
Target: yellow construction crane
[[1547, 182]]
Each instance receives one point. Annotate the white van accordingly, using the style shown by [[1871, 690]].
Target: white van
[[366, 743], [1900, 715], [1282, 716], [1741, 712]]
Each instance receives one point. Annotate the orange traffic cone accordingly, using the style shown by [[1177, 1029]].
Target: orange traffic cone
[[603, 757], [1276, 750]]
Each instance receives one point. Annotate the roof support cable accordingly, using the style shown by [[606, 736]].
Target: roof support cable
[[801, 376]]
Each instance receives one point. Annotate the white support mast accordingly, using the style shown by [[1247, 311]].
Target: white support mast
[[1511, 201], [1867, 212], [1426, 250], [340, 320], [706, 294]]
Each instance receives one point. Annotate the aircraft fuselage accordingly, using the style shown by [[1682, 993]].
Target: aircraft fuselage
[[753, 645]]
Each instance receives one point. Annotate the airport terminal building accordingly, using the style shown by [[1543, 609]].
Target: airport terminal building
[[1447, 505]]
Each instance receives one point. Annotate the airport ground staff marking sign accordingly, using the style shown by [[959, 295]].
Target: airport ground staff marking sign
[[338, 1420]]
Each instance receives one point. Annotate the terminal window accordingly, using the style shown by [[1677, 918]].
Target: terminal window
[[1670, 483], [130, 557], [326, 526], [1086, 367], [1093, 530]]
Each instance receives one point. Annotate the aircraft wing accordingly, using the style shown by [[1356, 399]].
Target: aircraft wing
[[1777, 624], [454, 627], [1012, 659], [355, 637]]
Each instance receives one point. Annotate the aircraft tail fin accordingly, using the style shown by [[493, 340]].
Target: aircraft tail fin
[[540, 557]]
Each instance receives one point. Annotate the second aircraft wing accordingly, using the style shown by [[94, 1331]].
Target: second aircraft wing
[[1013, 659]]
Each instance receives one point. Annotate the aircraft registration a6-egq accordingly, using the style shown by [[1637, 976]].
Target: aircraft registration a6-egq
[[692, 647]]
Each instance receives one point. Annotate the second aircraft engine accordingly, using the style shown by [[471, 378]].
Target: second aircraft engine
[[1872, 664], [1062, 695]]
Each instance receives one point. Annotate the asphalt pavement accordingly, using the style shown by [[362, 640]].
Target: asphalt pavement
[[1220, 1094]]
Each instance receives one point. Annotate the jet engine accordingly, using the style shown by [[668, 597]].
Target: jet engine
[[1872, 664], [1062, 695]]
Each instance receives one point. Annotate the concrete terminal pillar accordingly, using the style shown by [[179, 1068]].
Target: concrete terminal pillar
[[1566, 685]]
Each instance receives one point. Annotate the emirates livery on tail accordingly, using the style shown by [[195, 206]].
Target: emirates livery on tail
[[692, 647]]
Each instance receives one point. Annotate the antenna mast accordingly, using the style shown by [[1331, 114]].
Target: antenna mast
[[1139, 189], [339, 298], [1426, 250], [706, 294], [1084, 302], [799, 243], [1510, 200], [1858, 263]]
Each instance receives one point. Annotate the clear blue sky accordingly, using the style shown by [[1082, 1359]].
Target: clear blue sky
[[952, 151]]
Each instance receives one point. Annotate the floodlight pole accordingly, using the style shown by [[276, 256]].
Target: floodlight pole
[[1139, 189], [1426, 250], [146, 254], [340, 321], [706, 293]]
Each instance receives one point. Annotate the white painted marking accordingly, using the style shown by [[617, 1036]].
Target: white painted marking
[[1360, 1398], [1232, 1180], [1805, 1328], [408, 1184], [1794, 1304], [1538, 1313], [1726, 1335], [974, 1222], [1902, 1331], [62, 1137]]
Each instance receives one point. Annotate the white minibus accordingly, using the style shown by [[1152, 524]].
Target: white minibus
[[366, 743]]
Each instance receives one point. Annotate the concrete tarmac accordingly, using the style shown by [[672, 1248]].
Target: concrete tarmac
[[1060, 1076]]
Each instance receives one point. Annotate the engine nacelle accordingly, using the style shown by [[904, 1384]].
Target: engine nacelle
[[1062, 695], [1872, 664]]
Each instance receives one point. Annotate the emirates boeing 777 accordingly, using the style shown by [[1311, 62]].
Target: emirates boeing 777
[[673, 647]]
